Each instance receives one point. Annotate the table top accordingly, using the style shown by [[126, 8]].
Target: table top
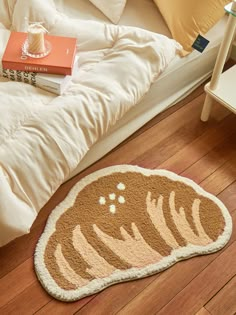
[[231, 8]]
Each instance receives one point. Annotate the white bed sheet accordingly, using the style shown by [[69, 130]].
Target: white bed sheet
[[181, 77]]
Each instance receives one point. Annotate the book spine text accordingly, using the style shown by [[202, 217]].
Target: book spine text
[[30, 78], [20, 76], [36, 68]]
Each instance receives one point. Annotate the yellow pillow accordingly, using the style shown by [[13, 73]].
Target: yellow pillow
[[188, 18]]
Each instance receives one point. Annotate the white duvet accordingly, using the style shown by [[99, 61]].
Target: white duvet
[[44, 137]]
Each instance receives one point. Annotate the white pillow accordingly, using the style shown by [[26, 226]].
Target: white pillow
[[112, 9]]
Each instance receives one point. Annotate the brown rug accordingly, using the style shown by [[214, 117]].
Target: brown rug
[[125, 222]]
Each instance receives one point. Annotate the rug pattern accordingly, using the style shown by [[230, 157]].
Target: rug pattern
[[125, 222]]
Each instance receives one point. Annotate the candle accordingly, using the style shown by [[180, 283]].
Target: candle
[[36, 39]]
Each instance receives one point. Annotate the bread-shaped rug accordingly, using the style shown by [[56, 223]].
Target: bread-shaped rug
[[123, 223]]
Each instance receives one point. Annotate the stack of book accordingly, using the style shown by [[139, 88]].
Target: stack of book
[[52, 72]]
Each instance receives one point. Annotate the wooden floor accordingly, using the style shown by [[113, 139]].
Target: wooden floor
[[178, 141]]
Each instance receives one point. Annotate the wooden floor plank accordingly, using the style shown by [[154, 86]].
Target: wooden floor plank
[[228, 197], [164, 129], [18, 251], [211, 162], [224, 302], [197, 92], [169, 144], [198, 292], [203, 311], [16, 281], [217, 176], [221, 178], [116, 295], [62, 308], [213, 140], [27, 302], [165, 287]]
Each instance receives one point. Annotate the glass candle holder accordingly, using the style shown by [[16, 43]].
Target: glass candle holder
[[35, 45]]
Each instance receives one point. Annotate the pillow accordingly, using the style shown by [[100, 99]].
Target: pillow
[[188, 18], [112, 9]]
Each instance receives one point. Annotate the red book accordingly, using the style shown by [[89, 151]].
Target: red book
[[59, 61]]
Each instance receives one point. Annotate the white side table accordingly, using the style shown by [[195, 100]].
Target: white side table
[[222, 86]]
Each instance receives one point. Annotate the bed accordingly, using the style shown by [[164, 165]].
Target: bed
[[46, 140], [180, 78]]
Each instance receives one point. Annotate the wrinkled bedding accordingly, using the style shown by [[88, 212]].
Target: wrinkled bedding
[[43, 137]]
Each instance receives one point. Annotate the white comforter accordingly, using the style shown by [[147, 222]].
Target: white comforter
[[43, 137]]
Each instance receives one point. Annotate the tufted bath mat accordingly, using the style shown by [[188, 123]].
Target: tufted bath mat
[[123, 223]]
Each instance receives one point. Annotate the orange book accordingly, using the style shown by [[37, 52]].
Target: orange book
[[59, 61]]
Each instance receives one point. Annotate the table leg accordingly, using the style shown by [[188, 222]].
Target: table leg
[[206, 110]]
